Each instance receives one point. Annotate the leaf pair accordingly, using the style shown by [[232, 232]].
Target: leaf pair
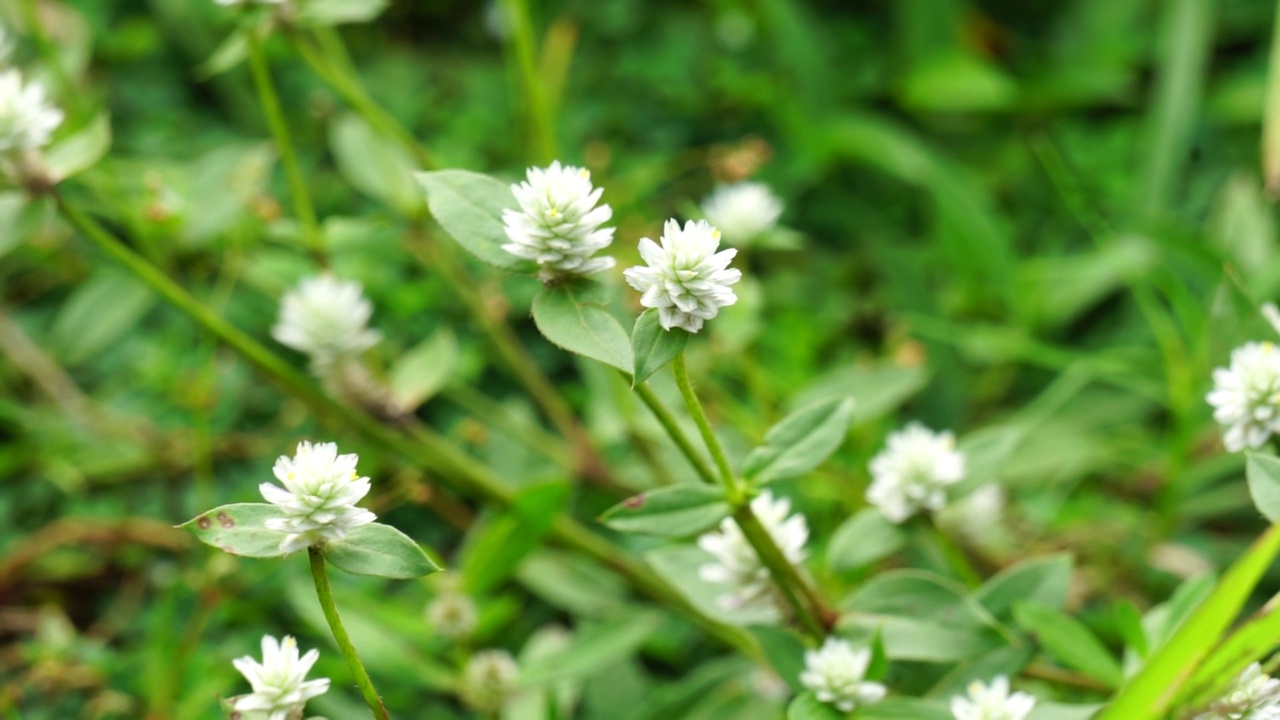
[[373, 549]]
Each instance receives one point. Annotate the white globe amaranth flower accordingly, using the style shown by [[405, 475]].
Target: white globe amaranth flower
[[913, 472], [736, 563], [280, 687], [992, 702], [742, 211], [27, 118], [685, 278], [452, 614], [489, 680], [1246, 396], [1253, 696], [321, 489], [327, 319], [836, 674], [558, 224]]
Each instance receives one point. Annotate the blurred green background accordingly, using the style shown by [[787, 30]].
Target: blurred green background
[[1038, 224]]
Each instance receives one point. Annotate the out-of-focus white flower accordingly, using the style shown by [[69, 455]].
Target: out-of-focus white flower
[[992, 702], [976, 516], [452, 614], [912, 473], [558, 223], [489, 680], [685, 278], [27, 118], [836, 674], [736, 562], [1253, 696], [742, 211], [280, 687], [321, 489], [1246, 396], [327, 319]]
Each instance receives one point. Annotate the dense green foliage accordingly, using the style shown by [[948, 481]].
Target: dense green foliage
[[1040, 225]]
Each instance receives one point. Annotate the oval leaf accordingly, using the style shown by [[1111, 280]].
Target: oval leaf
[[374, 166], [675, 511], [239, 529], [653, 346], [1069, 641], [1263, 473], [801, 442], [863, 539], [424, 370], [379, 550], [80, 151], [582, 328], [469, 207]]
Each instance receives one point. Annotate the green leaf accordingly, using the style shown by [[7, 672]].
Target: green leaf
[[674, 511], [469, 207], [497, 547], [592, 650], [381, 551], [1149, 694], [1069, 641], [239, 529], [580, 327], [879, 389], [1045, 580], [806, 706], [20, 218], [337, 12], [904, 708], [863, 539], [652, 346], [81, 151], [374, 166], [230, 52], [801, 442], [784, 651], [98, 313], [422, 371], [1250, 643], [1263, 474]]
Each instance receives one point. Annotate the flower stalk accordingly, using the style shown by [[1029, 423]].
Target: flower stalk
[[325, 594]]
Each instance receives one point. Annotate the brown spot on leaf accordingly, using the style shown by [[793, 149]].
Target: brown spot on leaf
[[203, 522], [225, 520], [634, 502]]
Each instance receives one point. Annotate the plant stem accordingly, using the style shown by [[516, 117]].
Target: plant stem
[[270, 101], [418, 444], [810, 609], [343, 81], [733, 490], [541, 123], [669, 423], [325, 593]]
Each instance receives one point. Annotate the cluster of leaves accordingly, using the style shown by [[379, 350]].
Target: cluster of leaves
[[1017, 225]]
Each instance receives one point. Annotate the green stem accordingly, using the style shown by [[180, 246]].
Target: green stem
[[541, 124], [733, 490], [418, 444], [270, 101], [340, 77], [669, 423], [325, 593], [810, 609]]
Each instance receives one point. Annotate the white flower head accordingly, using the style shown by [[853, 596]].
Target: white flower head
[[836, 674], [913, 471], [976, 516], [742, 211], [452, 614], [1246, 396], [685, 278], [321, 489], [558, 225], [1253, 696], [327, 319], [27, 118], [736, 562], [992, 702], [489, 680], [280, 687]]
